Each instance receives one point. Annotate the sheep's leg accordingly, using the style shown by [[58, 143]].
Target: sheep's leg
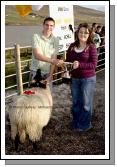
[[35, 146], [34, 132], [22, 134], [14, 135], [13, 131], [16, 142]]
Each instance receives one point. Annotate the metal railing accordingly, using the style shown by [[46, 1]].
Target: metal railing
[[24, 61]]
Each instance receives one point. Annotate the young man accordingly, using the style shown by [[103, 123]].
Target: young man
[[45, 49], [96, 37]]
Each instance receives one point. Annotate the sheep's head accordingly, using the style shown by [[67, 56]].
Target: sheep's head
[[41, 84], [38, 80]]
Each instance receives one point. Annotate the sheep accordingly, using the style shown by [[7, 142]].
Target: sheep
[[29, 113]]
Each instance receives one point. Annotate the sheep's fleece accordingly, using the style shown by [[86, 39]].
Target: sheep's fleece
[[30, 113]]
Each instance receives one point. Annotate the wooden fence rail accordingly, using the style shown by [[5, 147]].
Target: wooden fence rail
[[19, 72]]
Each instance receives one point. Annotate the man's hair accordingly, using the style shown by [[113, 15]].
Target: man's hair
[[99, 27], [48, 19], [93, 24]]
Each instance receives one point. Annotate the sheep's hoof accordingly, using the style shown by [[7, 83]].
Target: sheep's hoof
[[35, 146], [16, 142]]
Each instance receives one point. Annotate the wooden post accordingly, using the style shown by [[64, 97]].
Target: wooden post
[[65, 55], [18, 69]]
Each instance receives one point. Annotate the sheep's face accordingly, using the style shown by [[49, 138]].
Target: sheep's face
[[38, 80], [41, 84]]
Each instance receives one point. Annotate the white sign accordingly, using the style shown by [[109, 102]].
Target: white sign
[[64, 25]]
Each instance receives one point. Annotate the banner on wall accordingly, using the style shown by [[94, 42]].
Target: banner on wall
[[64, 25]]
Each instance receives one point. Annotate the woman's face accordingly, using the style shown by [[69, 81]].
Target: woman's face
[[83, 34]]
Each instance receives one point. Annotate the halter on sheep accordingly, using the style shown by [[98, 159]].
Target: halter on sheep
[[31, 112]]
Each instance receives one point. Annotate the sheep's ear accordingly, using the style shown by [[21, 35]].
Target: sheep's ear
[[46, 82], [43, 84], [32, 81]]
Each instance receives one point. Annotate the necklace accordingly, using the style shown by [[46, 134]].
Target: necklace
[[78, 50]]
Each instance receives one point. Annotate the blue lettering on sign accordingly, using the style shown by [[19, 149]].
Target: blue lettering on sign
[[63, 9], [63, 27], [59, 38], [60, 47], [67, 45], [67, 36]]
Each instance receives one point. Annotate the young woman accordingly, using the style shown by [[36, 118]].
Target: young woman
[[83, 54]]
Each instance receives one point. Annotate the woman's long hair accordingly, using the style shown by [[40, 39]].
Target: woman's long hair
[[77, 42]]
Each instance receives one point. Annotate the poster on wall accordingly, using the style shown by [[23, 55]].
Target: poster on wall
[[64, 25]]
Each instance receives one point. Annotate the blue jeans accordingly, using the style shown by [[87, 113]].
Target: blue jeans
[[82, 90]]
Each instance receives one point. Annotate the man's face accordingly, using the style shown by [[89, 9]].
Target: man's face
[[48, 26], [95, 27]]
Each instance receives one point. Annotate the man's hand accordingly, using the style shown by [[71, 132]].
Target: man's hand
[[49, 78], [57, 62], [60, 62]]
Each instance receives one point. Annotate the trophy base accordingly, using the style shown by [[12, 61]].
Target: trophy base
[[66, 80]]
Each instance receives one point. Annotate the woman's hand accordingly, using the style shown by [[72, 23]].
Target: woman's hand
[[75, 64]]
